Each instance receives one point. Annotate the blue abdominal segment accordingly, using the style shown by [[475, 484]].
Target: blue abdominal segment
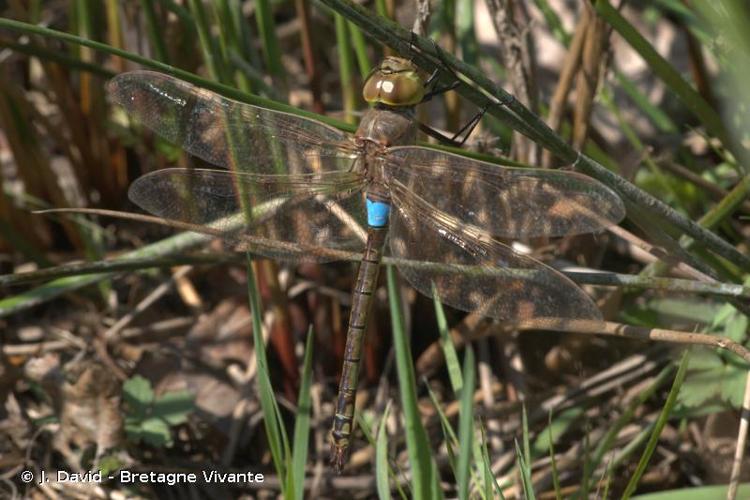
[[377, 213]]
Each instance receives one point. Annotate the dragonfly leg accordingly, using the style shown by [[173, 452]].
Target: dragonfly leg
[[470, 126], [367, 277], [433, 90], [466, 130]]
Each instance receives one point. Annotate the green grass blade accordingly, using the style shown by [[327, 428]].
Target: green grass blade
[[525, 434], [346, 68], [465, 33], [658, 117], [466, 425], [425, 479], [717, 492], [302, 423], [382, 469], [210, 50], [360, 50], [562, 422], [451, 439], [553, 22], [608, 440], [491, 484], [267, 30], [180, 11], [278, 441], [446, 343], [660, 423], [525, 470], [155, 31], [553, 460]]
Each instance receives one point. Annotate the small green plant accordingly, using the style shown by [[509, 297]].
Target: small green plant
[[716, 377], [148, 418]]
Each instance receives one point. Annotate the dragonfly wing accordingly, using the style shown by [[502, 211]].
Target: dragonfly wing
[[311, 217], [229, 133], [506, 202], [473, 272]]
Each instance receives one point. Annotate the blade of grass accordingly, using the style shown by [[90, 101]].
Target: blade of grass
[[449, 349], [360, 50], [608, 440], [525, 427], [271, 52], [346, 68], [660, 423], [525, 470], [155, 31], [466, 425], [695, 493], [658, 117], [278, 442], [425, 479], [553, 461], [211, 54], [554, 24], [382, 469], [491, 484], [181, 12], [452, 441], [296, 483], [556, 429], [465, 33]]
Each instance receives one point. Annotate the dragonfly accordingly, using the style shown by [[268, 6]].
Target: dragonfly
[[294, 188]]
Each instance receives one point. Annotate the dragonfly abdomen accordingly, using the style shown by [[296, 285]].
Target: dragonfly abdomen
[[378, 212]]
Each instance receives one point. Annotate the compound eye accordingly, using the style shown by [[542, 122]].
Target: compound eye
[[396, 82]]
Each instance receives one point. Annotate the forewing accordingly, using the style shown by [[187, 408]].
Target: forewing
[[307, 217], [229, 133], [474, 272], [506, 202]]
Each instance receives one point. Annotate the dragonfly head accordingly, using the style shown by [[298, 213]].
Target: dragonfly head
[[395, 82]]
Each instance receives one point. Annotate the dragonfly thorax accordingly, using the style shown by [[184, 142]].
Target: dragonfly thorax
[[387, 126], [381, 128]]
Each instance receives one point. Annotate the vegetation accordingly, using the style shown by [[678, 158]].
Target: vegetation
[[132, 346]]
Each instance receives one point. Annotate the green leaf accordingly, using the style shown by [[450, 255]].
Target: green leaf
[[174, 407], [704, 380], [711, 378], [137, 392], [155, 432], [109, 463], [733, 386]]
